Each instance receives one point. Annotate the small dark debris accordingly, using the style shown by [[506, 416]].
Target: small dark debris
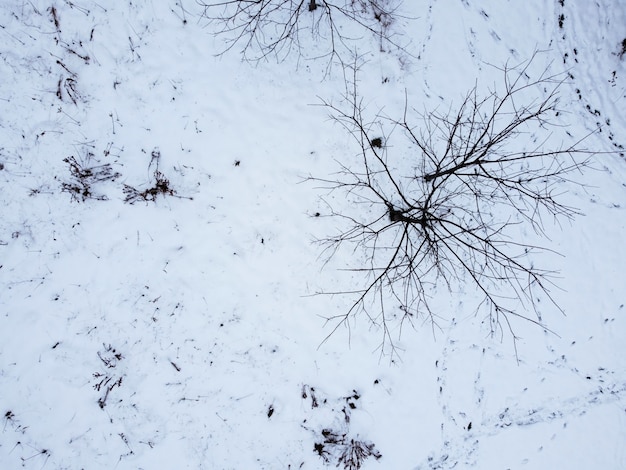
[[377, 142], [55, 18], [237, 162], [270, 411], [351, 399], [319, 449], [314, 402]]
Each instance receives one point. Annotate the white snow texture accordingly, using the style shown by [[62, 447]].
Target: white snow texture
[[159, 310]]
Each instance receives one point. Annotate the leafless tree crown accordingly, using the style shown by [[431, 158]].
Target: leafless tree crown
[[266, 28], [446, 190]]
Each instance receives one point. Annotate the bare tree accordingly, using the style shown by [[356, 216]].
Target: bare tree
[[264, 28], [443, 198]]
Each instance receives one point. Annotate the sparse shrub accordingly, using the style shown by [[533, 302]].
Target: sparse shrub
[[334, 444], [160, 184], [85, 175], [347, 452]]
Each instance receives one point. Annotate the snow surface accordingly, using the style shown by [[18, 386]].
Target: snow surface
[[197, 313]]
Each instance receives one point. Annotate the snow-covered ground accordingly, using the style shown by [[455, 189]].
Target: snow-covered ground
[[184, 332]]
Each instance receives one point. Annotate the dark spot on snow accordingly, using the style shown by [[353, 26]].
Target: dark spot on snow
[[319, 448], [270, 411], [237, 162], [469, 426], [350, 400], [317, 214], [311, 391], [377, 142], [561, 20]]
